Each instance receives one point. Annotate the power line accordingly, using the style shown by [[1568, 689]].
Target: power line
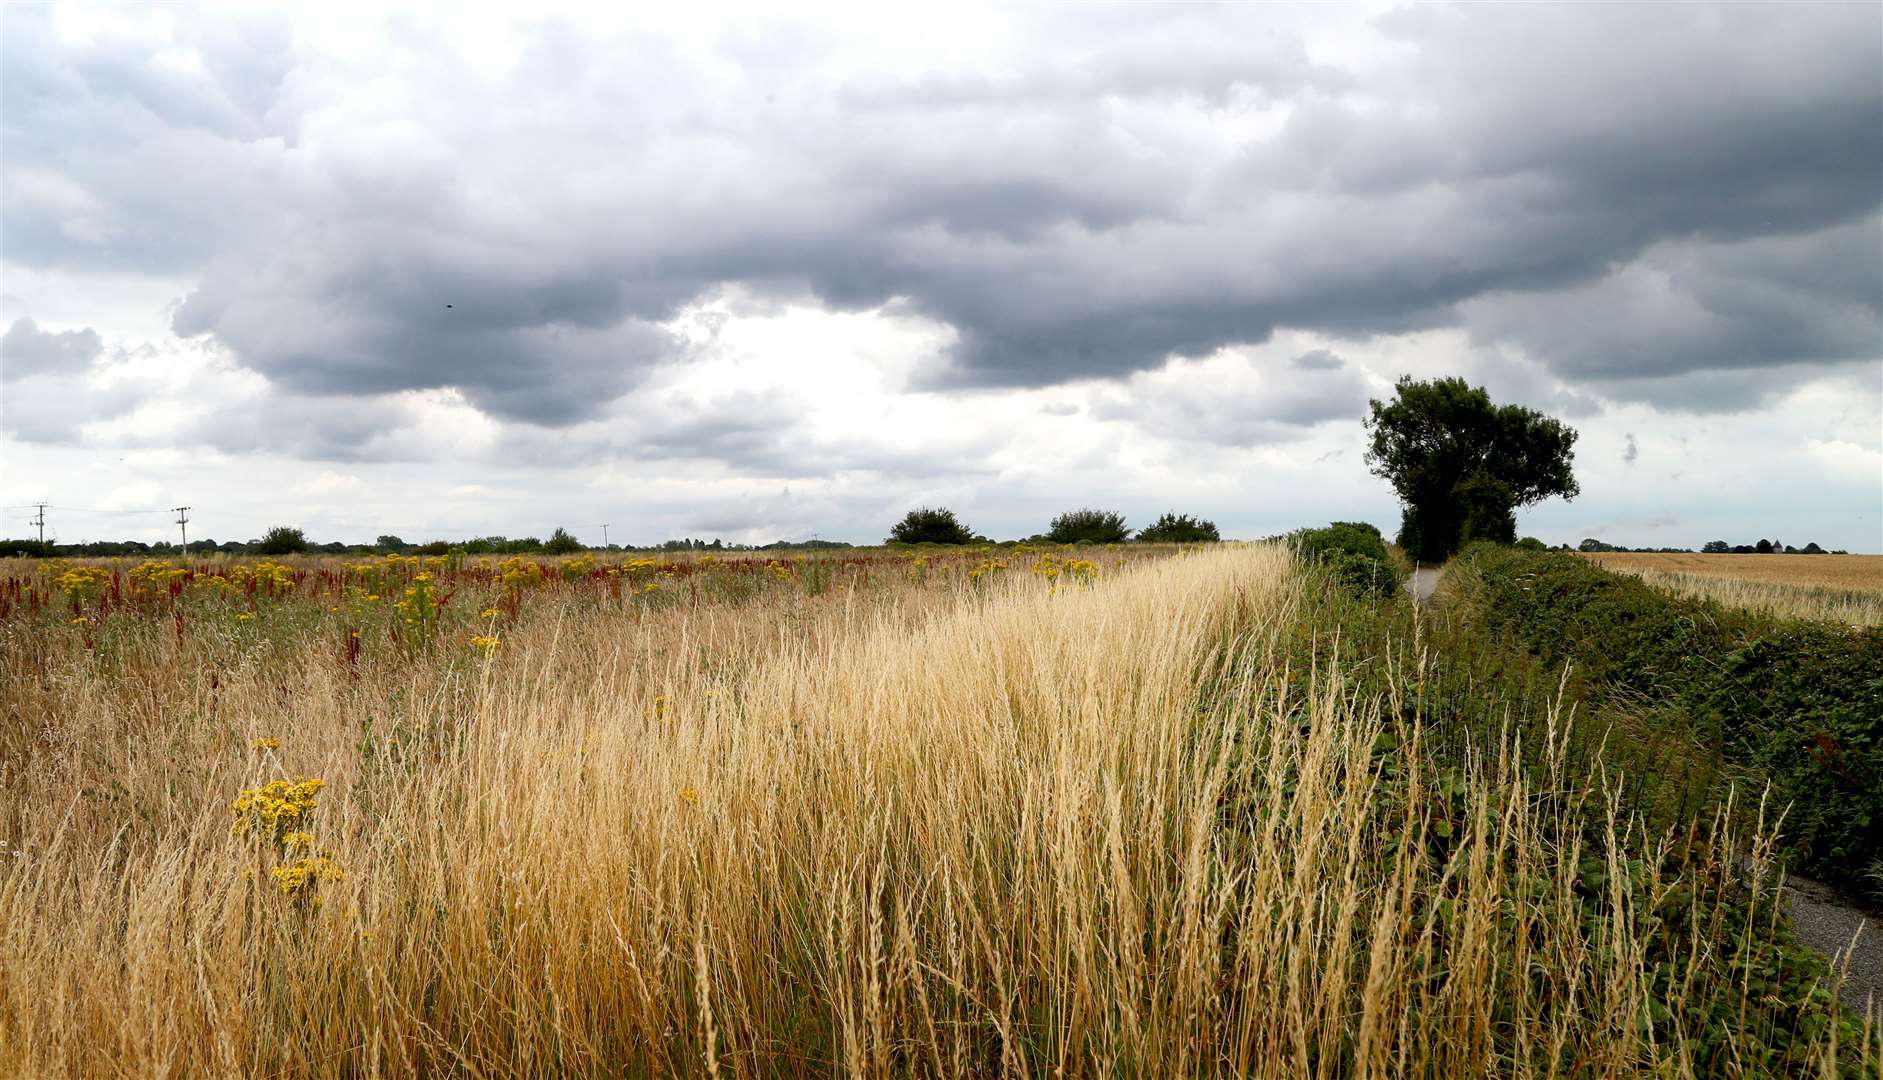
[[86, 510]]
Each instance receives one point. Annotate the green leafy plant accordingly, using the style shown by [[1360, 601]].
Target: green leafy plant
[[1357, 556]]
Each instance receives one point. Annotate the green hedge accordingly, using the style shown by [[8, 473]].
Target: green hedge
[[1471, 689], [1356, 555], [1797, 703]]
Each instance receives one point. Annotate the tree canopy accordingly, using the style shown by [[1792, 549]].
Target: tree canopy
[[282, 540], [930, 526], [1092, 526], [1461, 465], [1174, 528]]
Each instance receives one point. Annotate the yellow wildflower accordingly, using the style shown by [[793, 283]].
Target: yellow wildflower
[[276, 808], [302, 876]]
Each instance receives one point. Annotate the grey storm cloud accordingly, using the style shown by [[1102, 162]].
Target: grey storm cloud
[[1250, 407], [26, 350], [1627, 193], [1319, 360], [1727, 311]]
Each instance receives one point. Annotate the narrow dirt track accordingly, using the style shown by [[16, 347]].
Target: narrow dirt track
[[1830, 924]]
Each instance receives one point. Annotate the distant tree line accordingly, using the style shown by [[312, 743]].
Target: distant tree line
[[1766, 547], [1719, 547], [939, 525], [924, 525]]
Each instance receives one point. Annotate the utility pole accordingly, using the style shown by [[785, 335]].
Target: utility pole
[[41, 522], [604, 536], [183, 523]]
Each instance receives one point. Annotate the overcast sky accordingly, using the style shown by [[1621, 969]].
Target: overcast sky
[[731, 274]]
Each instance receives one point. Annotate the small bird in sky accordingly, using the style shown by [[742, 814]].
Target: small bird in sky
[[447, 305]]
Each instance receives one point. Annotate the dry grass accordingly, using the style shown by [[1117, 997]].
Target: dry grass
[[1839, 588], [1013, 830]]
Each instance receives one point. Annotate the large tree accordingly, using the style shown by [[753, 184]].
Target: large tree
[[1462, 465]]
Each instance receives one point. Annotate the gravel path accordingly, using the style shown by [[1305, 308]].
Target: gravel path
[[1828, 923]]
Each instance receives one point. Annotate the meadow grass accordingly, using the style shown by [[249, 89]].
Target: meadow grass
[[1108, 825], [1839, 588]]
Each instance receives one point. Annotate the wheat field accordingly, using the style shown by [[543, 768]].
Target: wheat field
[[1840, 588], [1024, 826]]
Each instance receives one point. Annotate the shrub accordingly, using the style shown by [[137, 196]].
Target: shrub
[[930, 526], [1355, 554], [282, 540], [1180, 529], [1088, 526], [562, 542], [1531, 543], [1795, 703]]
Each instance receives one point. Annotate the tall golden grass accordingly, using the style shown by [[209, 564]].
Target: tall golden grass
[[1839, 588], [1088, 831]]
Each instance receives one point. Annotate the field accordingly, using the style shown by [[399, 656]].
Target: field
[[1091, 812], [1840, 588]]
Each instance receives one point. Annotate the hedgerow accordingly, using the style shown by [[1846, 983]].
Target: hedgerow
[[1793, 703]]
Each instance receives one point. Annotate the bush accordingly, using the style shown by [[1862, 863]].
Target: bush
[[1798, 704], [930, 526], [1088, 527], [282, 540], [562, 542], [1179, 529], [1531, 543], [1355, 554]]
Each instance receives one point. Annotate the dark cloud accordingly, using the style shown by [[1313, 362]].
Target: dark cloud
[[1235, 401], [1318, 360], [1628, 194], [26, 350], [1724, 311]]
